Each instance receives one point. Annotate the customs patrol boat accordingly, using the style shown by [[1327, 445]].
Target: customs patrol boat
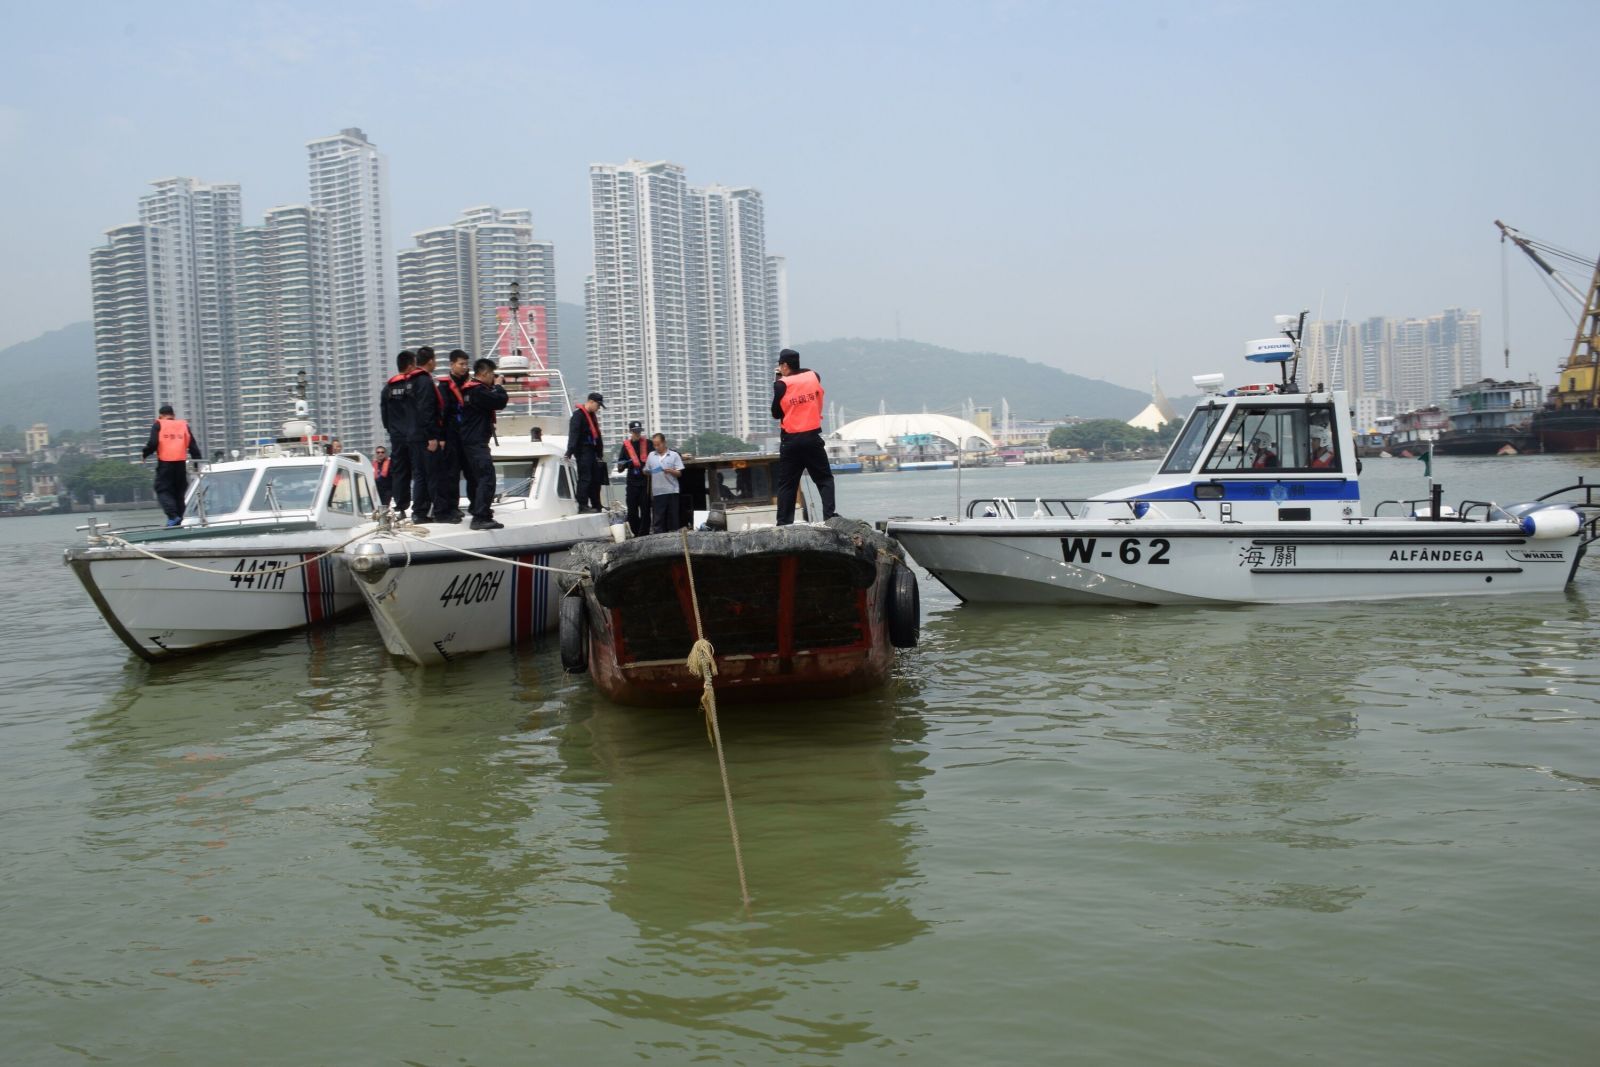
[[1256, 502], [442, 591], [256, 553]]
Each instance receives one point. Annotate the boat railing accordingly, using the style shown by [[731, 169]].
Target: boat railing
[[1588, 508], [1005, 507]]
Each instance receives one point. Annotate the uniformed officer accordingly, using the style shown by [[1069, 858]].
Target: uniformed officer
[[174, 446], [453, 467], [587, 450], [631, 460], [399, 407], [440, 498], [481, 397], [797, 402]]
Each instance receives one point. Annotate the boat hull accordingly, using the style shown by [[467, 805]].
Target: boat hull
[[433, 604], [160, 610], [1485, 443], [1568, 430], [1051, 562], [802, 618]]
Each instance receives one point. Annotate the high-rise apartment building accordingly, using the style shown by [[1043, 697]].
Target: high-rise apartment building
[[458, 277], [282, 321], [349, 191], [1414, 362], [684, 306], [163, 299]]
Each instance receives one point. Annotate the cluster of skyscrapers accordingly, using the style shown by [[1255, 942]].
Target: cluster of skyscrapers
[[1396, 365], [230, 323]]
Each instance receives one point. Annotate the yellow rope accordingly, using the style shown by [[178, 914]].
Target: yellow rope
[[702, 663]]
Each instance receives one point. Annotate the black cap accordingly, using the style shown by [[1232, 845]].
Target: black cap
[[598, 399], [789, 356], [636, 425], [164, 409]]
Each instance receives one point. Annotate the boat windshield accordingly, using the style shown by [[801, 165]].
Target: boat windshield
[[1186, 449], [1273, 438], [514, 477], [741, 484], [224, 491], [291, 489]]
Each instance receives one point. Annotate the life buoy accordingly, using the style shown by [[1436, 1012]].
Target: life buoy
[[574, 625], [903, 607]]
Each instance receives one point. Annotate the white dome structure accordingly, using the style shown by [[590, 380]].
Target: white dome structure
[[885, 429]]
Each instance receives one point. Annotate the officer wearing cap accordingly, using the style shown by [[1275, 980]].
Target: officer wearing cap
[[631, 460], [586, 449], [797, 403], [174, 446]]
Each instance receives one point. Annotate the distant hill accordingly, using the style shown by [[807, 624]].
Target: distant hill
[[910, 376], [51, 379]]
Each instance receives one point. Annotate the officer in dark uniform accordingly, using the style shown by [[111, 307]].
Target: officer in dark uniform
[[630, 460], [797, 399], [174, 446], [439, 497], [587, 450], [453, 467], [481, 397], [405, 442]]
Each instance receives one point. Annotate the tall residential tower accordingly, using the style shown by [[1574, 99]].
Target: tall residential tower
[[349, 191], [458, 277], [683, 302]]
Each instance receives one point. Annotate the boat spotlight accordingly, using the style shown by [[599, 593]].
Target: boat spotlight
[[1208, 383], [371, 562]]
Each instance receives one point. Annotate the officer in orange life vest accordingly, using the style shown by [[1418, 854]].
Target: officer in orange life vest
[[630, 460], [174, 446], [586, 449], [797, 403]]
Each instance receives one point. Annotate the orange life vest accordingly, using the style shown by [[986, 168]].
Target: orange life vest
[[633, 454], [1322, 458], [594, 427], [380, 469], [172, 441], [404, 375], [802, 402]]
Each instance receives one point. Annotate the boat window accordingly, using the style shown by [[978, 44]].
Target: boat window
[[363, 495], [291, 488], [1186, 449], [341, 496], [742, 483], [1276, 438], [514, 478], [224, 491], [564, 484]]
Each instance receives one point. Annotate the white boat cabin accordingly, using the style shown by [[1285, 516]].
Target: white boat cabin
[[326, 491]]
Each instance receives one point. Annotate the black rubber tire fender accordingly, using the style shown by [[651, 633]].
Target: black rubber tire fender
[[903, 607], [574, 627]]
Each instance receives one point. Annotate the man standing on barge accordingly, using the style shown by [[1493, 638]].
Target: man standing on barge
[[797, 402]]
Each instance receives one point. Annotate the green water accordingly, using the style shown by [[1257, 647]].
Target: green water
[[1341, 834]]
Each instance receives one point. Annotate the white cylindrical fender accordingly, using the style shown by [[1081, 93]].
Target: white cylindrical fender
[[1551, 522]]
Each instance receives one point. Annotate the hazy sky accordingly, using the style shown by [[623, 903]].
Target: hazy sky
[[1109, 188]]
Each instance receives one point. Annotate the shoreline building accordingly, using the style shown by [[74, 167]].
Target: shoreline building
[[685, 307], [281, 302], [349, 191], [162, 291], [458, 277]]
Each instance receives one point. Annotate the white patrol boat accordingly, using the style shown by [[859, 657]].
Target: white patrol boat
[[1256, 502], [256, 553], [442, 591]]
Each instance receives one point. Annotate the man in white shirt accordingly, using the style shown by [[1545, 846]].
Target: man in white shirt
[[664, 467]]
